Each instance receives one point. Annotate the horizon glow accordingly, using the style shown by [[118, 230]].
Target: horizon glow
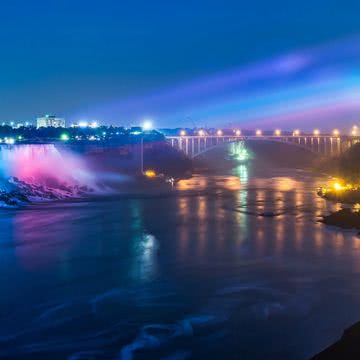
[[319, 85]]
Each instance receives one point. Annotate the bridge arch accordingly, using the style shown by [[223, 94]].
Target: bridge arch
[[293, 144], [326, 146]]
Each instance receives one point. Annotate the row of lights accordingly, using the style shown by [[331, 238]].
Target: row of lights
[[277, 132], [8, 141], [85, 124], [218, 132]]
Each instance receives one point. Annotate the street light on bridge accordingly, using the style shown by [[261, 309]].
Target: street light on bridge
[[258, 132], [296, 132], [219, 133], [277, 132], [316, 132], [336, 132], [201, 132], [182, 133], [237, 132]]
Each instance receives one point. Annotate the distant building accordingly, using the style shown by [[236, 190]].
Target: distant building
[[50, 121]]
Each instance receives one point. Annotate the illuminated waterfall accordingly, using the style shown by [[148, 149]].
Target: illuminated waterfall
[[43, 164]]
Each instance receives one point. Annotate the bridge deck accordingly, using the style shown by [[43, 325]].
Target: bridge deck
[[325, 145]]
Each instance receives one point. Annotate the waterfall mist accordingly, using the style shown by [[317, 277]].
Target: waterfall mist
[[42, 165]]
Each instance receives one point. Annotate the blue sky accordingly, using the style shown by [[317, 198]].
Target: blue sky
[[75, 57]]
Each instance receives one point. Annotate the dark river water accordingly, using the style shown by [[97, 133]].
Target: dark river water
[[197, 272]]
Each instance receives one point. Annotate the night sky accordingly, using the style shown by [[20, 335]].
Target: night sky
[[181, 63]]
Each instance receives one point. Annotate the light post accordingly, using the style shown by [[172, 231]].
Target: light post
[[142, 154], [147, 126]]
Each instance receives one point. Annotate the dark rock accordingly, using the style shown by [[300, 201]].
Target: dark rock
[[345, 218], [268, 214], [347, 348]]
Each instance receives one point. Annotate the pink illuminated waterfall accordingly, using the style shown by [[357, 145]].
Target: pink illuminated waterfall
[[43, 164]]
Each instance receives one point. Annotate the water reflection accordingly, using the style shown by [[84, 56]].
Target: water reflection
[[241, 249], [242, 172], [281, 211], [199, 183], [36, 243], [144, 245]]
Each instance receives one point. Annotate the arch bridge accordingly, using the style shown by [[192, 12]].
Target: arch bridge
[[324, 145]]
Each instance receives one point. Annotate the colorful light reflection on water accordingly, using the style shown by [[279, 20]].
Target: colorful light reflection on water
[[199, 264]]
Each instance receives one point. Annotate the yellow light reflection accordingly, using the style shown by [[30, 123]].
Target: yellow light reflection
[[150, 173]]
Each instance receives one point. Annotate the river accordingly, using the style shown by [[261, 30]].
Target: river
[[232, 265]]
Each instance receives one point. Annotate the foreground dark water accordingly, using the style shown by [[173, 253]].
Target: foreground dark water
[[192, 273]]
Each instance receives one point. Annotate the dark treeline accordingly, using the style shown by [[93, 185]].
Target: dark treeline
[[349, 164], [346, 166]]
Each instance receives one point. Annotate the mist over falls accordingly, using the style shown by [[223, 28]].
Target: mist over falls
[[41, 171]]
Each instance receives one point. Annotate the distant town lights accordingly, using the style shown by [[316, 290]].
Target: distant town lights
[[83, 124], [10, 141]]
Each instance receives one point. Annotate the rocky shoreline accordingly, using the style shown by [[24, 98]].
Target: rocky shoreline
[[17, 193], [348, 196]]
